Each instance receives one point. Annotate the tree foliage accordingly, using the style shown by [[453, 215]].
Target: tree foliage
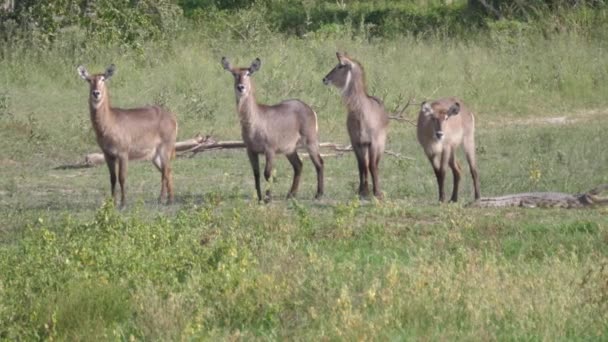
[[105, 20], [132, 22]]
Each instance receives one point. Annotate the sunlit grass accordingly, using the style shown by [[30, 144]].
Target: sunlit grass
[[217, 265]]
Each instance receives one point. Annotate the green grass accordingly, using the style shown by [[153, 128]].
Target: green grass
[[217, 265]]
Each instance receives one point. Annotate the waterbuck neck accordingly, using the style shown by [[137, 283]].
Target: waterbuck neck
[[101, 114], [247, 108], [355, 90]]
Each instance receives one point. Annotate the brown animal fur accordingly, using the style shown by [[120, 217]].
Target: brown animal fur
[[276, 129], [443, 125], [367, 120], [122, 134]]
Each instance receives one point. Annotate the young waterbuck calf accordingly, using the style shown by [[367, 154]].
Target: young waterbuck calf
[[443, 125], [367, 120], [276, 129], [123, 134]]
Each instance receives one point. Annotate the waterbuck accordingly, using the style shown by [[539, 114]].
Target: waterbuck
[[124, 134], [367, 120], [443, 125], [276, 129]]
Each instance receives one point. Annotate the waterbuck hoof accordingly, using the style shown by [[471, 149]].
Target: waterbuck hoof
[[319, 195], [267, 197], [364, 195], [291, 195], [379, 195]]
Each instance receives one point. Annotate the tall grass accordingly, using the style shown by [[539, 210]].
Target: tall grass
[[230, 270], [500, 76], [219, 266]]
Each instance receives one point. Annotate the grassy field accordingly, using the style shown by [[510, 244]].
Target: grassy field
[[218, 265]]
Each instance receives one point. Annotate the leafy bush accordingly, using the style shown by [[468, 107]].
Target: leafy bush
[[109, 22], [105, 21]]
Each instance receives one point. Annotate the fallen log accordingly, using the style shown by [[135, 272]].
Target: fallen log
[[191, 143], [588, 199], [201, 143]]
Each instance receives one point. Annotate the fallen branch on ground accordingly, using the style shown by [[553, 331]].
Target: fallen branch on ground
[[590, 198], [200, 143]]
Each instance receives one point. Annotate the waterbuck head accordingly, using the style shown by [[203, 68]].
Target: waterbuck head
[[439, 117], [97, 85], [242, 81], [340, 75]]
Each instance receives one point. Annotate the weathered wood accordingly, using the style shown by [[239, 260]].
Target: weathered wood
[[200, 143], [94, 159], [220, 145], [590, 198], [191, 143]]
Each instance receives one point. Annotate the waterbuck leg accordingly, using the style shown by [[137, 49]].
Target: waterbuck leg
[[163, 186], [295, 161], [268, 173], [316, 159], [469, 151], [440, 175], [122, 176], [361, 154], [111, 161], [255, 165], [163, 180], [268, 167], [474, 175], [456, 174], [374, 158], [168, 173], [169, 182]]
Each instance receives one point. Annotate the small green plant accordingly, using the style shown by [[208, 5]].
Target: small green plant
[[305, 221], [344, 216], [535, 172], [5, 105]]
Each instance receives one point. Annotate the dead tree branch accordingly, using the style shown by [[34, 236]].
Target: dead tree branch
[[191, 147], [398, 114]]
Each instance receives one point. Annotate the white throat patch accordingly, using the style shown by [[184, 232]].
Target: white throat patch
[[347, 83], [97, 104]]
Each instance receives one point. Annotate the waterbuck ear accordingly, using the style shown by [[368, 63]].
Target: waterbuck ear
[[109, 71], [426, 108], [454, 109], [255, 65], [340, 57], [226, 64], [82, 71]]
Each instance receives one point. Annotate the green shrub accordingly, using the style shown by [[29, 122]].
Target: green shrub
[[107, 21]]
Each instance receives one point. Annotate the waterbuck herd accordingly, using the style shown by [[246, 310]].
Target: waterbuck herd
[[150, 132]]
